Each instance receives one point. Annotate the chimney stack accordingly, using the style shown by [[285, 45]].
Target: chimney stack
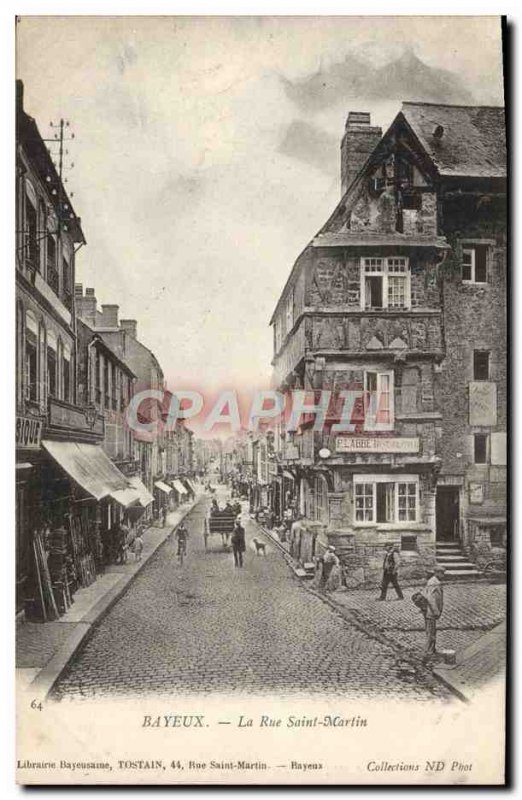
[[85, 305], [109, 316], [130, 326], [359, 140]]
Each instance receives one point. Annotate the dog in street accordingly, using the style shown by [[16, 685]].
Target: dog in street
[[260, 547]]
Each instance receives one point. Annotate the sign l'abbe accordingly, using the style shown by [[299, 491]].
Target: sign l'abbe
[[28, 432], [374, 444]]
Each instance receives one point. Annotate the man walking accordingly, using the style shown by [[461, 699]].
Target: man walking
[[434, 594], [389, 572], [238, 543]]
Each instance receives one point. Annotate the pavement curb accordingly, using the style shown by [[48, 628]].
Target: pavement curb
[[43, 683]]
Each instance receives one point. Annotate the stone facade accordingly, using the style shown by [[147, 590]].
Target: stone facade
[[384, 304]]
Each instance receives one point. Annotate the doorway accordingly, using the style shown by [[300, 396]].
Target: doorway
[[447, 513]]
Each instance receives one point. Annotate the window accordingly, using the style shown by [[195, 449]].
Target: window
[[481, 365], [385, 283], [378, 401], [31, 359], [106, 382], [114, 393], [66, 278], [98, 367], [52, 367], [364, 502], [52, 272], [32, 243], [66, 369], [321, 499], [481, 448], [59, 370], [474, 263], [124, 391], [386, 499], [407, 502]]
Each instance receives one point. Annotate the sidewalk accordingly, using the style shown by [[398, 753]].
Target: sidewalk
[[478, 664], [472, 624], [43, 649]]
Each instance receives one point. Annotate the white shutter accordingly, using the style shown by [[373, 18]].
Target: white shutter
[[385, 402]]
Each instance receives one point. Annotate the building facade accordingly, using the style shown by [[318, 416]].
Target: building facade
[[388, 308], [63, 477], [121, 337]]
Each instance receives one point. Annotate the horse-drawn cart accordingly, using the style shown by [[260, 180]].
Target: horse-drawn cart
[[222, 523]]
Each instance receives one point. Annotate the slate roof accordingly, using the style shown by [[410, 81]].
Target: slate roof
[[473, 143]]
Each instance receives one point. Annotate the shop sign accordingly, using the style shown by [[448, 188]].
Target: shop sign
[[291, 452], [66, 415], [476, 493], [374, 444], [28, 432]]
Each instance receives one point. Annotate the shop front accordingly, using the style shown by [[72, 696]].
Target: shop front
[[71, 507]]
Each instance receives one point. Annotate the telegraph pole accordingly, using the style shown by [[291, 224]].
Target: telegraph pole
[[59, 139]]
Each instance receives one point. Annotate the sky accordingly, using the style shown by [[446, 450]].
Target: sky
[[206, 155]]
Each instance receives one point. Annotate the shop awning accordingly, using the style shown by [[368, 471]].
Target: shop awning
[[145, 496], [288, 475], [93, 470], [163, 487], [190, 485], [178, 486]]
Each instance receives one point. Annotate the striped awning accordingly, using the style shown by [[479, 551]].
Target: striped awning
[[145, 496], [92, 469], [178, 486], [163, 487]]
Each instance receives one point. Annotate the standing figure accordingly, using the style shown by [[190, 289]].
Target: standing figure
[[138, 547], [181, 537], [238, 543], [163, 516], [389, 572], [434, 594], [330, 562]]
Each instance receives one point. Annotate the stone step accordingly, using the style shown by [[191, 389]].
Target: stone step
[[447, 546], [455, 572], [458, 565], [462, 574], [451, 558]]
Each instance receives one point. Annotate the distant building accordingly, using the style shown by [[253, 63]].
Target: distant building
[[401, 299], [121, 337]]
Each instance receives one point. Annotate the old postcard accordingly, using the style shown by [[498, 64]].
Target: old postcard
[[261, 400]]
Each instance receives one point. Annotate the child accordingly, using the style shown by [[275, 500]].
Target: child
[[138, 547]]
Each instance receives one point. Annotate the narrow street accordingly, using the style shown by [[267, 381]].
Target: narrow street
[[207, 626]]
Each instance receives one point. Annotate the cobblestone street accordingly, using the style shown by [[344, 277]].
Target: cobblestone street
[[207, 626]]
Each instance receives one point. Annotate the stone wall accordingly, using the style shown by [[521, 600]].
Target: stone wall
[[474, 318]]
